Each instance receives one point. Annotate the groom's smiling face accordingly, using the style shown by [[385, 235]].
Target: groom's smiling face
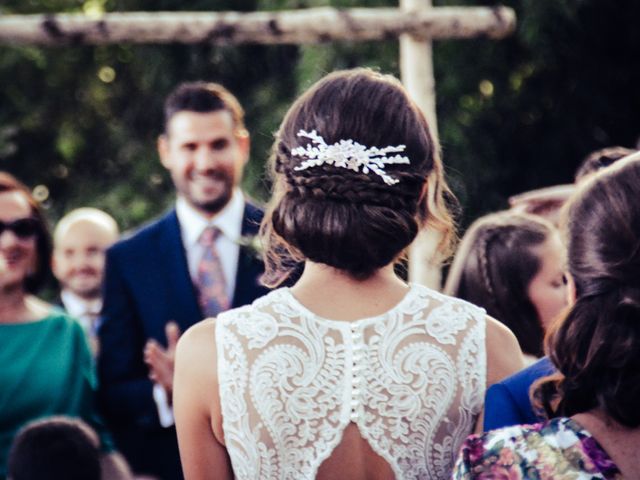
[[205, 154]]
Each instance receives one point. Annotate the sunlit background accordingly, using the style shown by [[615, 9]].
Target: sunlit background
[[79, 124]]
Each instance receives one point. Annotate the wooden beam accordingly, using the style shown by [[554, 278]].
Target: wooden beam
[[311, 25]]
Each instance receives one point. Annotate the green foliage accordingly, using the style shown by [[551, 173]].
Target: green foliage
[[514, 114], [83, 121], [563, 85]]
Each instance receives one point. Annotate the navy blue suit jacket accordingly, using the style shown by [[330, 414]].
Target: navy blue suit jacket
[[507, 402], [146, 285]]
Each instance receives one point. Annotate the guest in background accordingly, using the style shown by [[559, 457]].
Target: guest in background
[[47, 368], [543, 202], [513, 266], [547, 202], [600, 159], [55, 448], [191, 263], [508, 402], [80, 241], [595, 394]]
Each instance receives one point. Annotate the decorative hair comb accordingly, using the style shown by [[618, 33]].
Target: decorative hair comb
[[348, 154]]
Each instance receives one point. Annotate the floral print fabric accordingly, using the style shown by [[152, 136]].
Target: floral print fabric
[[558, 449]]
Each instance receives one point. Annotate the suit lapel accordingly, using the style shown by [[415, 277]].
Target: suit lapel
[[249, 265], [181, 293]]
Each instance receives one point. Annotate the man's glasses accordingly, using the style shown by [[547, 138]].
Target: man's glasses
[[22, 228]]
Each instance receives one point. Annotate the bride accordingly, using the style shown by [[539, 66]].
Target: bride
[[351, 373]]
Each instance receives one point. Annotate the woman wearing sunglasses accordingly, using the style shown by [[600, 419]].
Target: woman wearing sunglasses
[[45, 364]]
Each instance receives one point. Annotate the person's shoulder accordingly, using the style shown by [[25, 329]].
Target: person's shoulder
[[252, 215], [140, 237], [198, 341], [517, 437], [200, 331], [498, 333], [253, 208], [450, 303], [279, 298], [503, 352], [258, 321], [527, 376], [59, 319], [515, 433], [495, 450], [56, 315]]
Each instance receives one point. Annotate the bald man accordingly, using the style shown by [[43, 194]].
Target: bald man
[[81, 239]]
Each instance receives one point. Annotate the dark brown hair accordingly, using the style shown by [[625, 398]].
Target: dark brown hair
[[596, 349], [346, 219], [493, 268], [202, 97], [600, 159], [42, 273], [55, 448]]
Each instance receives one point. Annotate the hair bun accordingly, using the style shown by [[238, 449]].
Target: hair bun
[[354, 219]]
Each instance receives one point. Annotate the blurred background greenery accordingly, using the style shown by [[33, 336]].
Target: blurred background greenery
[[79, 124]]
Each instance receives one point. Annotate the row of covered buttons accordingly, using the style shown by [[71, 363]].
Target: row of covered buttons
[[356, 370]]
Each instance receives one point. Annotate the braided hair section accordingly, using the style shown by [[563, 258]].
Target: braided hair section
[[349, 219]]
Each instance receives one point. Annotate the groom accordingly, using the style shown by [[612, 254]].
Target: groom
[[176, 271]]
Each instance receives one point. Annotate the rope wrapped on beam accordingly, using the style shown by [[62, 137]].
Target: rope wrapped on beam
[[313, 25]]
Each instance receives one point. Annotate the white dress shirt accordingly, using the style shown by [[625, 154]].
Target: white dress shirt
[[228, 221], [83, 310]]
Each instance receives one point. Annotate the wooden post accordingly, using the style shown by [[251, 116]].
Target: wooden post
[[416, 67]]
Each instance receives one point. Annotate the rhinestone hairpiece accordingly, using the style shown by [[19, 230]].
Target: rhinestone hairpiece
[[348, 154]]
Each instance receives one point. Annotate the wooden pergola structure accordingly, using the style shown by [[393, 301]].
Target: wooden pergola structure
[[416, 23]]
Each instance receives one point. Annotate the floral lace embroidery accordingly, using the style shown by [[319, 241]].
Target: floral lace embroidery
[[412, 380]]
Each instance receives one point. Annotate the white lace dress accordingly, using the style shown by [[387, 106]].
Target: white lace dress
[[412, 380]]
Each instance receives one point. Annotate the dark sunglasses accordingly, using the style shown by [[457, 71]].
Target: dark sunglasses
[[22, 228]]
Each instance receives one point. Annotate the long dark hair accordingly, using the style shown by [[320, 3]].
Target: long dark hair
[[351, 220], [596, 349], [493, 268], [42, 272]]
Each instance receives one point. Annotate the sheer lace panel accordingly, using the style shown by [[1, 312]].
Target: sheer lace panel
[[412, 380]]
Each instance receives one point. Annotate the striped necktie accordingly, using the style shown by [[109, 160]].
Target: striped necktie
[[211, 283]]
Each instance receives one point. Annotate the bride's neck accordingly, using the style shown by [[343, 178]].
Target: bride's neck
[[335, 294], [320, 274]]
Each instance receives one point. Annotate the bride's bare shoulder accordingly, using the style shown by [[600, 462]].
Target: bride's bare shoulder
[[198, 343]]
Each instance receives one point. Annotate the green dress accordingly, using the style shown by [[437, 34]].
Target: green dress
[[46, 369]]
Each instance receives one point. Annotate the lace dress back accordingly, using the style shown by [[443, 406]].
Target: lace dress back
[[412, 380]]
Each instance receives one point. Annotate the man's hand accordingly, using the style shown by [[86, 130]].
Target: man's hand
[[161, 360]]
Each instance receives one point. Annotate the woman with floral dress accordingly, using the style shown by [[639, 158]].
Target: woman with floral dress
[[596, 394]]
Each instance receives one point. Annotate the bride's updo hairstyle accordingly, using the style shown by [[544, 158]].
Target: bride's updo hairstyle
[[597, 347], [351, 220]]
